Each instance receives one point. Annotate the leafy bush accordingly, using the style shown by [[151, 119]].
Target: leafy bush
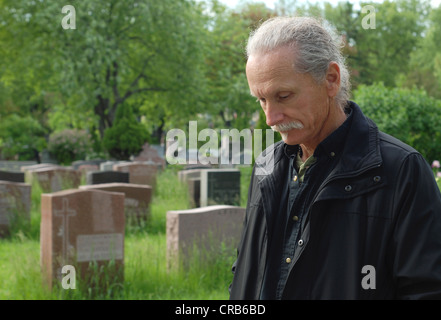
[[22, 136], [407, 114], [70, 145], [127, 135]]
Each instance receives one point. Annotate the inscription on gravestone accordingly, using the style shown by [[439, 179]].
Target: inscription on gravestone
[[220, 186], [83, 228]]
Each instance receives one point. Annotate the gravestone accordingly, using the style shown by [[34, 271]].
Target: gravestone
[[150, 154], [192, 178], [38, 166], [140, 173], [83, 229], [107, 166], [136, 202], [77, 164], [203, 230], [12, 176], [194, 192], [53, 179], [183, 175], [9, 165], [15, 204], [84, 169], [99, 177], [220, 186]]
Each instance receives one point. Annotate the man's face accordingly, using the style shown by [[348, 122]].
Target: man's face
[[288, 97]]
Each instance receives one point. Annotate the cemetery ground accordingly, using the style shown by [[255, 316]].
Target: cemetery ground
[[146, 275]]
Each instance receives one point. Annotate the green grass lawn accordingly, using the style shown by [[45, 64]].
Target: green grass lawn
[[146, 275]]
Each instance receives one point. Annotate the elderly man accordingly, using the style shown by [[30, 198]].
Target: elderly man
[[347, 211]]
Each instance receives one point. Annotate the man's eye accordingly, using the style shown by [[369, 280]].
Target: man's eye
[[260, 100], [283, 97]]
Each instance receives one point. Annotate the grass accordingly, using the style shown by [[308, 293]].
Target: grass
[[146, 275]]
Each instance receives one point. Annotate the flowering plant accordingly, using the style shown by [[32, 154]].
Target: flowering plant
[[436, 171], [69, 145]]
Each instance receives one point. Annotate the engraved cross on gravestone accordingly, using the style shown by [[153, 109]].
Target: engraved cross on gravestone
[[63, 232]]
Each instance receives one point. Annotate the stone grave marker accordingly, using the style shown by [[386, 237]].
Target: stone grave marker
[[10, 165], [77, 164], [39, 166], [205, 230], [192, 178], [220, 186], [136, 202], [194, 192], [107, 166], [83, 229], [12, 176], [150, 154], [53, 179], [183, 175], [84, 169], [140, 173], [99, 177], [15, 204]]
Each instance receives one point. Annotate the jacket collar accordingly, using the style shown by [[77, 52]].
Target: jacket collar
[[362, 147], [361, 150]]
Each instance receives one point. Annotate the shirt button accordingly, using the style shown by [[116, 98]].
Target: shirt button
[[300, 243], [295, 218], [295, 178], [377, 179], [288, 260], [348, 188], [332, 154]]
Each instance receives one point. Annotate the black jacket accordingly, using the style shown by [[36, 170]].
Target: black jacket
[[380, 209]]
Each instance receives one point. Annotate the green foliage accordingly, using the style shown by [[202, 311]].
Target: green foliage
[[175, 61], [22, 136], [70, 145], [407, 114], [146, 275], [425, 63], [127, 135]]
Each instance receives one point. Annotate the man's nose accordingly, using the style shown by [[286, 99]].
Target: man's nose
[[273, 115]]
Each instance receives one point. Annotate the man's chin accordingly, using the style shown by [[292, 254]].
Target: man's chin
[[288, 139]]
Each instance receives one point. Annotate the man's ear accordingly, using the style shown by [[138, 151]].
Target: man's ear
[[333, 79]]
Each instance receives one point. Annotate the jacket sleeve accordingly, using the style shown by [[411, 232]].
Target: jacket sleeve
[[417, 234], [234, 266]]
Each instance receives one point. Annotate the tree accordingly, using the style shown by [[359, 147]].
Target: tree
[[380, 53], [228, 94], [425, 71], [21, 136], [119, 50], [408, 114], [127, 135]]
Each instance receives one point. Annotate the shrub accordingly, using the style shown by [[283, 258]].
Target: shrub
[[70, 145], [22, 136], [127, 135], [407, 114]]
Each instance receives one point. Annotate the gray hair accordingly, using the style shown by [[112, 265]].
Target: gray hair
[[317, 43]]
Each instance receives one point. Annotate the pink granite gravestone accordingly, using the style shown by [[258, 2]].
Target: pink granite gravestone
[[136, 202], [139, 173], [53, 179], [206, 229], [82, 228]]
